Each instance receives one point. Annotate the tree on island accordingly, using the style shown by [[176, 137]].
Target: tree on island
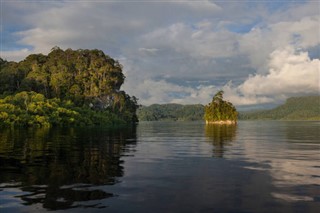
[[220, 111]]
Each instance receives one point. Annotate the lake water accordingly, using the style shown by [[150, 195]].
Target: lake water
[[163, 167]]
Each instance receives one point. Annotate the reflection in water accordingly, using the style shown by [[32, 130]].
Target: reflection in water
[[261, 166], [290, 152], [59, 168], [220, 136]]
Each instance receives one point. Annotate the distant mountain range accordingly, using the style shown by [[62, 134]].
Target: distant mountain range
[[296, 108]]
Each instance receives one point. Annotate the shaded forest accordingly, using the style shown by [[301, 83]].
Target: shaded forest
[[87, 82], [171, 112]]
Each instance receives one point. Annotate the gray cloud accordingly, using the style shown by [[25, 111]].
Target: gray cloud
[[179, 51]]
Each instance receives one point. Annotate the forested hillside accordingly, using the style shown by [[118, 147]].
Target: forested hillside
[[88, 80], [296, 108], [173, 112]]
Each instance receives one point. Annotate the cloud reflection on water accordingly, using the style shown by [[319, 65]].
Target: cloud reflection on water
[[289, 151]]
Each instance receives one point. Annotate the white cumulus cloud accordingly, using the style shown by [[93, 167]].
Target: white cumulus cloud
[[291, 73]]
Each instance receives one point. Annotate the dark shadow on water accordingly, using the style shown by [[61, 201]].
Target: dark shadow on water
[[220, 136], [60, 168]]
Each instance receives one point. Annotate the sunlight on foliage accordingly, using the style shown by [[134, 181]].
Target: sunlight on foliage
[[220, 110], [64, 88]]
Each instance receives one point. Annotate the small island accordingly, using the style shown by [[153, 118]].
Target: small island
[[220, 111]]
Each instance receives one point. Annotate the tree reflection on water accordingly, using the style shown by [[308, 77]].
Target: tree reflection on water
[[60, 168], [220, 136]]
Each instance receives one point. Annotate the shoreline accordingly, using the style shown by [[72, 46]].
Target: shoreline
[[221, 122]]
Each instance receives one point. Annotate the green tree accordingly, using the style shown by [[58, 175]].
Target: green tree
[[220, 110], [86, 77]]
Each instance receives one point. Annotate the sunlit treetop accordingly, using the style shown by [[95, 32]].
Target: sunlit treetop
[[220, 110]]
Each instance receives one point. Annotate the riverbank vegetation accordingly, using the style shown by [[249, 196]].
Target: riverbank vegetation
[[71, 87], [171, 112]]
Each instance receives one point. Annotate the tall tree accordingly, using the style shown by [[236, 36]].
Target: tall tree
[[220, 110]]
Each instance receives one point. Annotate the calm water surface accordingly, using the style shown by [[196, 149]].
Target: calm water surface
[[163, 167]]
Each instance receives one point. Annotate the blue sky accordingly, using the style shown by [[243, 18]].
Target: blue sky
[[258, 52]]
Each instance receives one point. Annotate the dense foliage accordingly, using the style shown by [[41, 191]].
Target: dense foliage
[[220, 110], [295, 108], [86, 78], [33, 109], [171, 112]]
